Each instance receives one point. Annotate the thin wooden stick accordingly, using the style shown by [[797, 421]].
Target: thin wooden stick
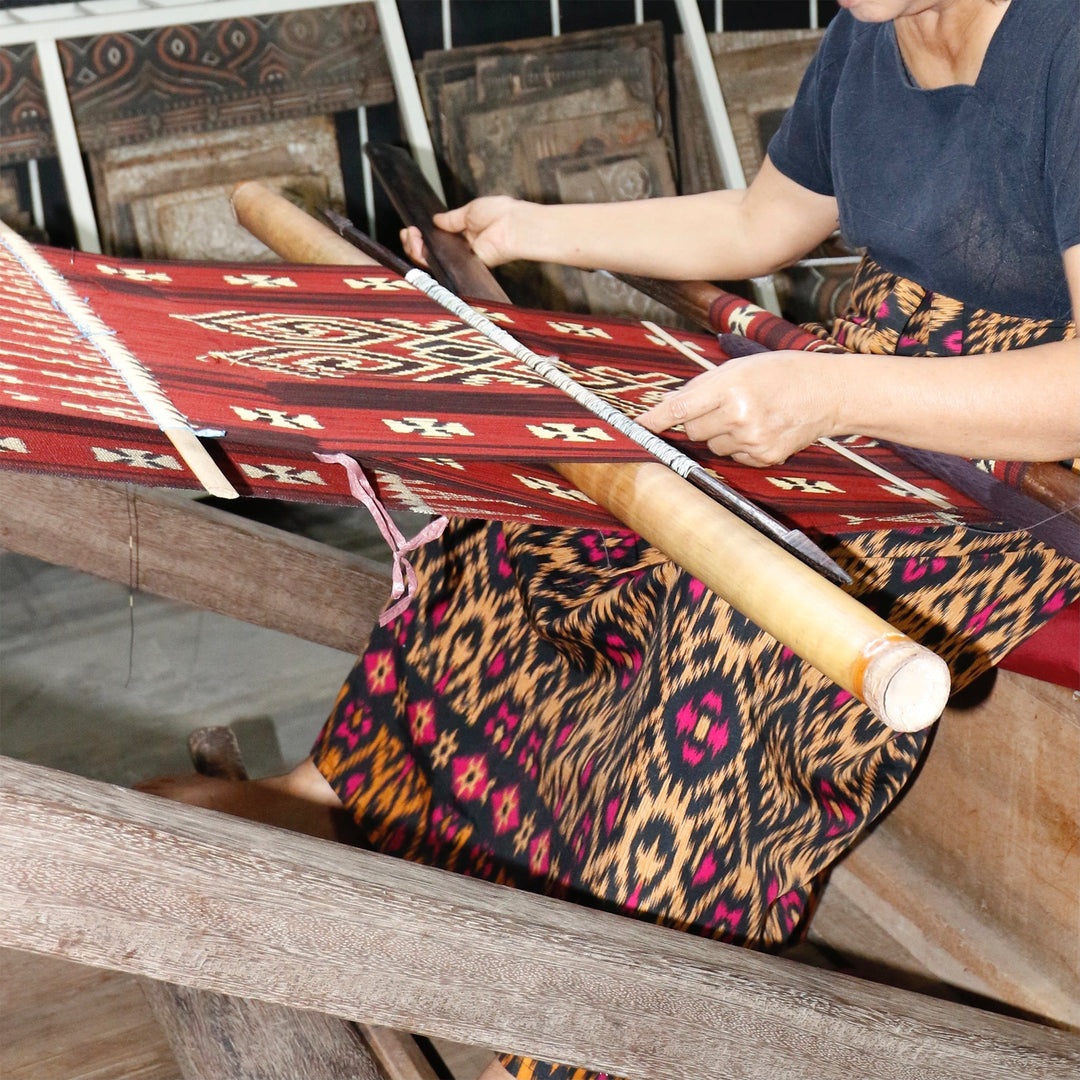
[[904, 684], [138, 379]]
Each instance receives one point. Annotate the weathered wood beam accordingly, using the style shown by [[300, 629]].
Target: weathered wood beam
[[183, 550], [122, 880], [221, 1037]]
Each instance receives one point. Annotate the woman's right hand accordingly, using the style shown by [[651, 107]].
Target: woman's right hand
[[489, 224]]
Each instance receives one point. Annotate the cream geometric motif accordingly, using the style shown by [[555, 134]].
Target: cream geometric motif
[[282, 474], [694, 346], [137, 459], [579, 330], [278, 419], [410, 496], [801, 483], [116, 412], [427, 427], [260, 281], [740, 320], [445, 462], [335, 346], [378, 284], [903, 493], [494, 316], [132, 273], [539, 483], [569, 433], [12, 445]]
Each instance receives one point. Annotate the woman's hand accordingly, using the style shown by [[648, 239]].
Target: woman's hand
[[758, 410], [490, 224]]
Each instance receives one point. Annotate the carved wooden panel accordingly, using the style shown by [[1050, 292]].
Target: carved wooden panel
[[137, 85], [579, 118], [759, 73], [169, 198]]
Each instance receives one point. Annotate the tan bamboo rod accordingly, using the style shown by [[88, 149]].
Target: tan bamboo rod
[[904, 684]]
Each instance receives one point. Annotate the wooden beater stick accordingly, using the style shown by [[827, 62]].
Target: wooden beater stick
[[138, 379], [904, 684]]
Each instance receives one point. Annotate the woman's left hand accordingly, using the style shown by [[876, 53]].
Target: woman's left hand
[[758, 410]]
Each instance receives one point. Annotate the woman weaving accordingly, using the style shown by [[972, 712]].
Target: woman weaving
[[567, 711]]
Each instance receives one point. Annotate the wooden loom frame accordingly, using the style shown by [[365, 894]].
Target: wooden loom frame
[[84, 914]]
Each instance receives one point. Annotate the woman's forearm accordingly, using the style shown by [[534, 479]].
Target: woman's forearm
[[1020, 405], [725, 235], [699, 236], [763, 408]]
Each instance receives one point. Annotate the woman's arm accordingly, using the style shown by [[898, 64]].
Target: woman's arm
[[1021, 405], [726, 235]]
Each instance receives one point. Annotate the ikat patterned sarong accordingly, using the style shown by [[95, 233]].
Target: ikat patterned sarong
[[565, 710]]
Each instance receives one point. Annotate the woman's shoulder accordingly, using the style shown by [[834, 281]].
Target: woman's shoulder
[[1036, 55], [1060, 15]]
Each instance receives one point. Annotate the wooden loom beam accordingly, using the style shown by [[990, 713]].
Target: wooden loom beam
[[131, 882], [173, 546]]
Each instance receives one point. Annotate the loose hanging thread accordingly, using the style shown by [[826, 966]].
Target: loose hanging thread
[[403, 576]]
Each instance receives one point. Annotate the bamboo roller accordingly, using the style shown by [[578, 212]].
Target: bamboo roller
[[903, 683]]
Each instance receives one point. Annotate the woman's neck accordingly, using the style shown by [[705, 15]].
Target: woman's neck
[[945, 43]]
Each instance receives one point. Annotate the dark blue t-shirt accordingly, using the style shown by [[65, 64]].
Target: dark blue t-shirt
[[971, 191]]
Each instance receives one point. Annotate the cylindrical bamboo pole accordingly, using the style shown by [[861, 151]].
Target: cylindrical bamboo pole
[[904, 684]]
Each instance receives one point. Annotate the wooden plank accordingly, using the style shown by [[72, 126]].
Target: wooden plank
[[974, 872], [220, 1037], [400, 1055], [119, 879], [171, 546]]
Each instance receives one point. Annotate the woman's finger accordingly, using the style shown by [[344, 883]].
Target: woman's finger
[[451, 220], [413, 244]]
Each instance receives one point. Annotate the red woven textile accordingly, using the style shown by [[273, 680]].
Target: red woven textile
[[1052, 653], [289, 361]]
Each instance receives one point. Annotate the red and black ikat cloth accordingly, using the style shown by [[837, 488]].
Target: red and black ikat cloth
[[279, 362]]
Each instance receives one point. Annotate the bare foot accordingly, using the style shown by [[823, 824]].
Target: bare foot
[[300, 800]]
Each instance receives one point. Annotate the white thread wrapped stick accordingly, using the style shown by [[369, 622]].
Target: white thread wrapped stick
[[138, 380]]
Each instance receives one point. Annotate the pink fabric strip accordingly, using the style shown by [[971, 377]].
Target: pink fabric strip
[[404, 577]]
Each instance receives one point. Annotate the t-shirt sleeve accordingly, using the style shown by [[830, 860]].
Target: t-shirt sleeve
[[1063, 139], [800, 149]]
